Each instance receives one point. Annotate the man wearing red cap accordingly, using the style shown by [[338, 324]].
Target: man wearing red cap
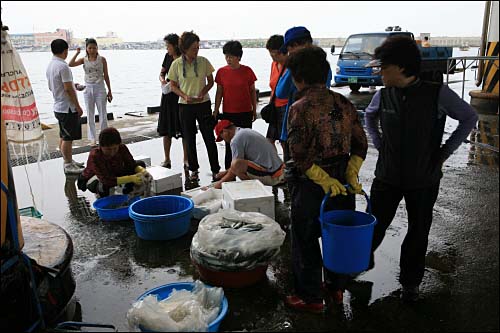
[[253, 156]]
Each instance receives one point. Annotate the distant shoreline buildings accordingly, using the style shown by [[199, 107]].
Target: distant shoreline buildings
[[38, 40], [41, 41]]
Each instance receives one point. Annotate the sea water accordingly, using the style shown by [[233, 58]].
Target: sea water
[[134, 76]]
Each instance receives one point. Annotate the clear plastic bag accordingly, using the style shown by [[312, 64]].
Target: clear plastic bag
[[206, 202], [166, 88], [182, 311], [231, 240]]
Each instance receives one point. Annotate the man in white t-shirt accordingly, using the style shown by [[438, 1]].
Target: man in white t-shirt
[[67, 110], [253, 156]]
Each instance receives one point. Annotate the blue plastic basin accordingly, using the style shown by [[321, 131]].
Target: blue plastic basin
[[113, 214], [164, 291], [162, 217]]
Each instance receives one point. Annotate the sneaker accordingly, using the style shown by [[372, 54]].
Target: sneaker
[[409, 294], [93, 143], [297, 303], [72, 168], [166, 164], [82, 165]]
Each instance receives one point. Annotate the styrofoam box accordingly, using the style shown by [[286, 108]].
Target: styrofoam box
[[144, 158], [248, 196], [164, 179]]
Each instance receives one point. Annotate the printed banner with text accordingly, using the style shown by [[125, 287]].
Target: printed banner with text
[[19, 110]]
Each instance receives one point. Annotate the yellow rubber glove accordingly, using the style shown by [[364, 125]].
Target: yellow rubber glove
[[329, 184], [351, 174], [139, 169], [129, 179]]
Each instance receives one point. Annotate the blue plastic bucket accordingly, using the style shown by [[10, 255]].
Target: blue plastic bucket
[[164, 291], [162, 217], [347, 238], [113, 214]]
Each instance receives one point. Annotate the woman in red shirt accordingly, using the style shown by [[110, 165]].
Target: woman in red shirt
[[273, 45], [236, 87]]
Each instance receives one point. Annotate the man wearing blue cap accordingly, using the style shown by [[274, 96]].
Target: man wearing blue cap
[[296, 38]]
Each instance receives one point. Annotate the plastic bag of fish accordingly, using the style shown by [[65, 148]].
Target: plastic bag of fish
[[182, 311], [231, 240]]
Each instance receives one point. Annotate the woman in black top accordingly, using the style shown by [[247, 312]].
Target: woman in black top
[[168, 121]]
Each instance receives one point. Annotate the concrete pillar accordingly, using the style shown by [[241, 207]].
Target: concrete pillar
[[490, 81], [486, 99]]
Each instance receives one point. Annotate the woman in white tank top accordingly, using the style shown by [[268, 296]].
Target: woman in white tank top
[[96, 73]]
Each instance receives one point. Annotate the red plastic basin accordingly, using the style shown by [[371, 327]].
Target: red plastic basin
[[237, 279]]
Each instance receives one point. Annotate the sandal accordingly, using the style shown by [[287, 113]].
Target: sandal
[[195, 176]]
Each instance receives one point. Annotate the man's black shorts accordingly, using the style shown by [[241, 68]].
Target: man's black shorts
[[69, 126]]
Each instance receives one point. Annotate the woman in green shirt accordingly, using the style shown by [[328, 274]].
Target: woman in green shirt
[[191, 78]]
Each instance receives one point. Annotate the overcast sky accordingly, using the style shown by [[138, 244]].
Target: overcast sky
[[149, 20]]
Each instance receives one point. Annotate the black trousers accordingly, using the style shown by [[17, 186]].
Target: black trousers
[[385, 200], [242, 119], [202, 112], [307, 263]]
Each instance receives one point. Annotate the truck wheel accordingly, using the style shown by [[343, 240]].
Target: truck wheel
[[354, 87]]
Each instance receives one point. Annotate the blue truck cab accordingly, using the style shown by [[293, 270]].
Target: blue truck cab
[[358, 50]]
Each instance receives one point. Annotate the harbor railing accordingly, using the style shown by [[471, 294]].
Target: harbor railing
[[452, 62]]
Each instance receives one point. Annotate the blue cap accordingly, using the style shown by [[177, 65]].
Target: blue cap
[[292, 35]]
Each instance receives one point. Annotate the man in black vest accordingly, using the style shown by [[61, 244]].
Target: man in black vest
[[412, 114]]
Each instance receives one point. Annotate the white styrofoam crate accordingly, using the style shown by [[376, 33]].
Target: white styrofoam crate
[[248, 196], [164, 179], [144, 158]]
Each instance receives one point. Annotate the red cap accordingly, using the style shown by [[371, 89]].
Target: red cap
[[221, 125]]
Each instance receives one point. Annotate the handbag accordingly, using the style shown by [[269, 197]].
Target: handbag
[[269, 112]]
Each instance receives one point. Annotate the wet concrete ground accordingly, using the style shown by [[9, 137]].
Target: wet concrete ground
[[112, 266]]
